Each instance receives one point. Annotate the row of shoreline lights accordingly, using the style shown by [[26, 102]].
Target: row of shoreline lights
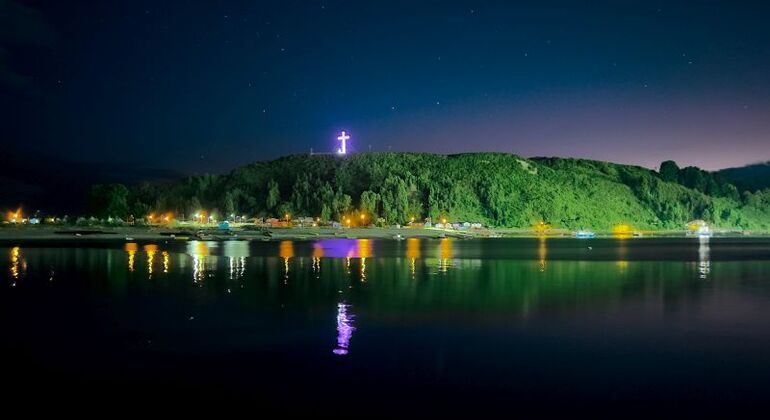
[[201, 216], [162, 218]]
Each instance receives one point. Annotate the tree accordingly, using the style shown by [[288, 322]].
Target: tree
[[228, 204], [195, 205], [273, 195], [395, 199], [326, 212], [109, 201], [341, 203], [368, 202], [284, 209], [669, 171], [301, 194], [139, 209]]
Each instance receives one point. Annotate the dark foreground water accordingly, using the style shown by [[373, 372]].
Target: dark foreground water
[[360, 327]]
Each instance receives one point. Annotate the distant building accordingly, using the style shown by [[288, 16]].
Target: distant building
[[698, 228], [305, 221]]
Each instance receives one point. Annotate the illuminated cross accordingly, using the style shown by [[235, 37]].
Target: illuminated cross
[[343, 138]]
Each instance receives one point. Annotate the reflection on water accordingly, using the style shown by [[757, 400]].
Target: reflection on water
[[286, 251], [704, 265], [18, 264], [412, 252], [130, 249], [236, 253], [364, 251], [542, 252], [318, 252], [445, 255], [514, 315], [150, 249], [345, 329], [555, 262], [166, 262], [622, 250], [199, 251]]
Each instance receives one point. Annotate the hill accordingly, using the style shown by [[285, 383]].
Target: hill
[[749, 178], [494, 188], [38, 181]]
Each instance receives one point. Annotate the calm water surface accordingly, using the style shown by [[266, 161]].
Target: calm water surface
[[398, 326]]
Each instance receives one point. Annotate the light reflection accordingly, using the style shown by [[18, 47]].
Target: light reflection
[[130, 249], [286, 251], [236, 253], [412, 252], [364, 251], [199, 251], [16, 261], [542, 252], [345, 329], [166, 262], [445, 255], [318, 252], [150, 249], [622, 253], [704, 263]]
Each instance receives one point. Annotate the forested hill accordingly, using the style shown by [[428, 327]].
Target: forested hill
[[494, 188], [750, 178]]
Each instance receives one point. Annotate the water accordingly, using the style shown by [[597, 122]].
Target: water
[[416, 326]]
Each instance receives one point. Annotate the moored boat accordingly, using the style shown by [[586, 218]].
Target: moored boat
[[584, 234]]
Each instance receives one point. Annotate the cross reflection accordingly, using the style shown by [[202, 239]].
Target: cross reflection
[[345, 328]]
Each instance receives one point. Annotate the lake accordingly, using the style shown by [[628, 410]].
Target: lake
[[349, 326]]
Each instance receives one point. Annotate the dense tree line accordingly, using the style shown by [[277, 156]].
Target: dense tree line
[[493, 188], [711, 183]]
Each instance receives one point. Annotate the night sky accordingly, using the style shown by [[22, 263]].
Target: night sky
[[205, 86]]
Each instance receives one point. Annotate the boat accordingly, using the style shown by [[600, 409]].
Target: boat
[[203, 236], [584, 234], [702, 232]]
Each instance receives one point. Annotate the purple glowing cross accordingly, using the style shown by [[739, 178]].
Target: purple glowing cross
[[343, 138]]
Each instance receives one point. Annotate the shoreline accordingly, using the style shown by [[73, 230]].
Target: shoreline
[[144, 234]]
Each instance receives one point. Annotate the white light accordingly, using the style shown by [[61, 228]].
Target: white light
[[343, 138]]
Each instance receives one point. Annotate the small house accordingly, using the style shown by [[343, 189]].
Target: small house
[[273, 222]]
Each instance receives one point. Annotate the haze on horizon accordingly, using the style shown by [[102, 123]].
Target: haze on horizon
[[206, 87]]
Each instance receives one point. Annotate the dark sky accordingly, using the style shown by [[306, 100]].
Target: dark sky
[[199, 86]]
